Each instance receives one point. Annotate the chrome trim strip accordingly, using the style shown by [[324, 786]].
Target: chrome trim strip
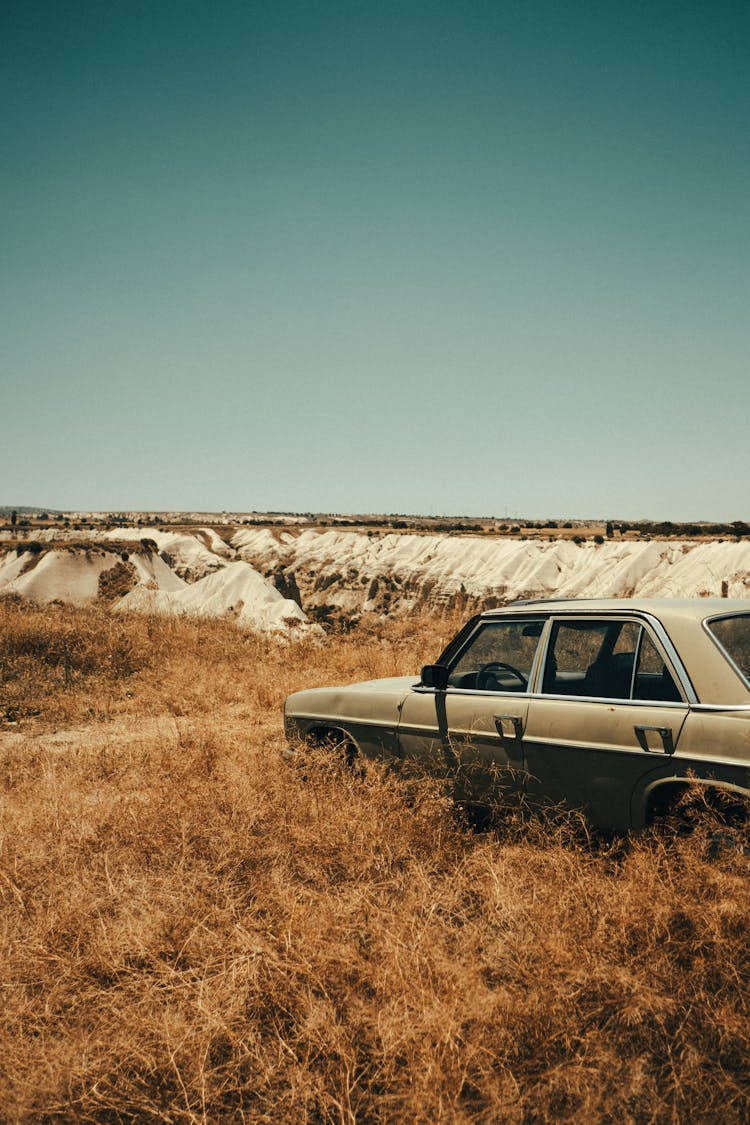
[[609, 700], [570, 743], [423, 732], [540, 658], [459, 734], [534, 695], [636, 658], [542, 652], [335, 720], [681, 760], [489, 694], [717, 708]]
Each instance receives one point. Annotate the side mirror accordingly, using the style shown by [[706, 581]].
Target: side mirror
[[435, 676]]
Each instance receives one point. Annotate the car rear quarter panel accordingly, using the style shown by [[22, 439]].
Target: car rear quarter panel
[[714, 679], [714, 748], [718, 737]]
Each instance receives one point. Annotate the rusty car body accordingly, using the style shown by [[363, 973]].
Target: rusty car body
[[612, 706]]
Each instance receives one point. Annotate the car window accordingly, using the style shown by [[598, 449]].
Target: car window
[[606, 660], [733, 634], [577, 644], [498, 657], [576, 657], [653, 680]]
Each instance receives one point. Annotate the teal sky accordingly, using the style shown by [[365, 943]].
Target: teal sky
[[461, 258]]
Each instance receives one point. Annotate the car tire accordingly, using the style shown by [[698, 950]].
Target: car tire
[[723, 813], [340, 748]]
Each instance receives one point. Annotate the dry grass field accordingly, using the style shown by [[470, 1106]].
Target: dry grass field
[[193, 930]]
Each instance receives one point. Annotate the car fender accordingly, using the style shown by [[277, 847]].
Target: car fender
[[366, 714]]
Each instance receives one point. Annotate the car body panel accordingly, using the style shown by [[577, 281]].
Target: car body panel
[[366, 712], [587, 753], [468, 733]]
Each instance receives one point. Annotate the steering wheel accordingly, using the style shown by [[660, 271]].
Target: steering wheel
[[486, 677]]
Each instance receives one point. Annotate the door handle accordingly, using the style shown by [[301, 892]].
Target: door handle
[[665, 733], [509, 726]]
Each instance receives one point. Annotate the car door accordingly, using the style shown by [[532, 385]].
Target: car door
[[473, 729], [609, 709]]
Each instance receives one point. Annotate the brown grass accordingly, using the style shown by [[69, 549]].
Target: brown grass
[[193, 930], [65, 665]]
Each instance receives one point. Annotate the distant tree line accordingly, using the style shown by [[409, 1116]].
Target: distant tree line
[[737, 528]]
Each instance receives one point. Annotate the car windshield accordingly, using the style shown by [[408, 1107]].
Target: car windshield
[[733, 634]]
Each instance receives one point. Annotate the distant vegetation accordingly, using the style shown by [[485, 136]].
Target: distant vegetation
[[27, 519], [194, 930]]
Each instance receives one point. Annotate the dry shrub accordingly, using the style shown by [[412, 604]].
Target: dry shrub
[[193, 930], [117, 581], [56, 660]]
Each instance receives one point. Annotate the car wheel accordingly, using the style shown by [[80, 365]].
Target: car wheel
[[723, 813], [340, 748]]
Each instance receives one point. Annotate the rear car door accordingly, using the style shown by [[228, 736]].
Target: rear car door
[[473, 730], [609, 709]]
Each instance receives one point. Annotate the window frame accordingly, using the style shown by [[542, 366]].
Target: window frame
[[657, 635], [479, 624]]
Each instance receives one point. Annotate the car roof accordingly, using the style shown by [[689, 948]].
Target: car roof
[[665, 609]]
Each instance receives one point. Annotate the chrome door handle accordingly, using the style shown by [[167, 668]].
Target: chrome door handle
[[665, 733], [509, 726]]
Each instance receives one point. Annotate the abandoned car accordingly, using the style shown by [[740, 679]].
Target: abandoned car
[[610, 706]]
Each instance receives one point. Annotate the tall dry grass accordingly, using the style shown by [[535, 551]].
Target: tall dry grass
[[64, 664], [194, 931]]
